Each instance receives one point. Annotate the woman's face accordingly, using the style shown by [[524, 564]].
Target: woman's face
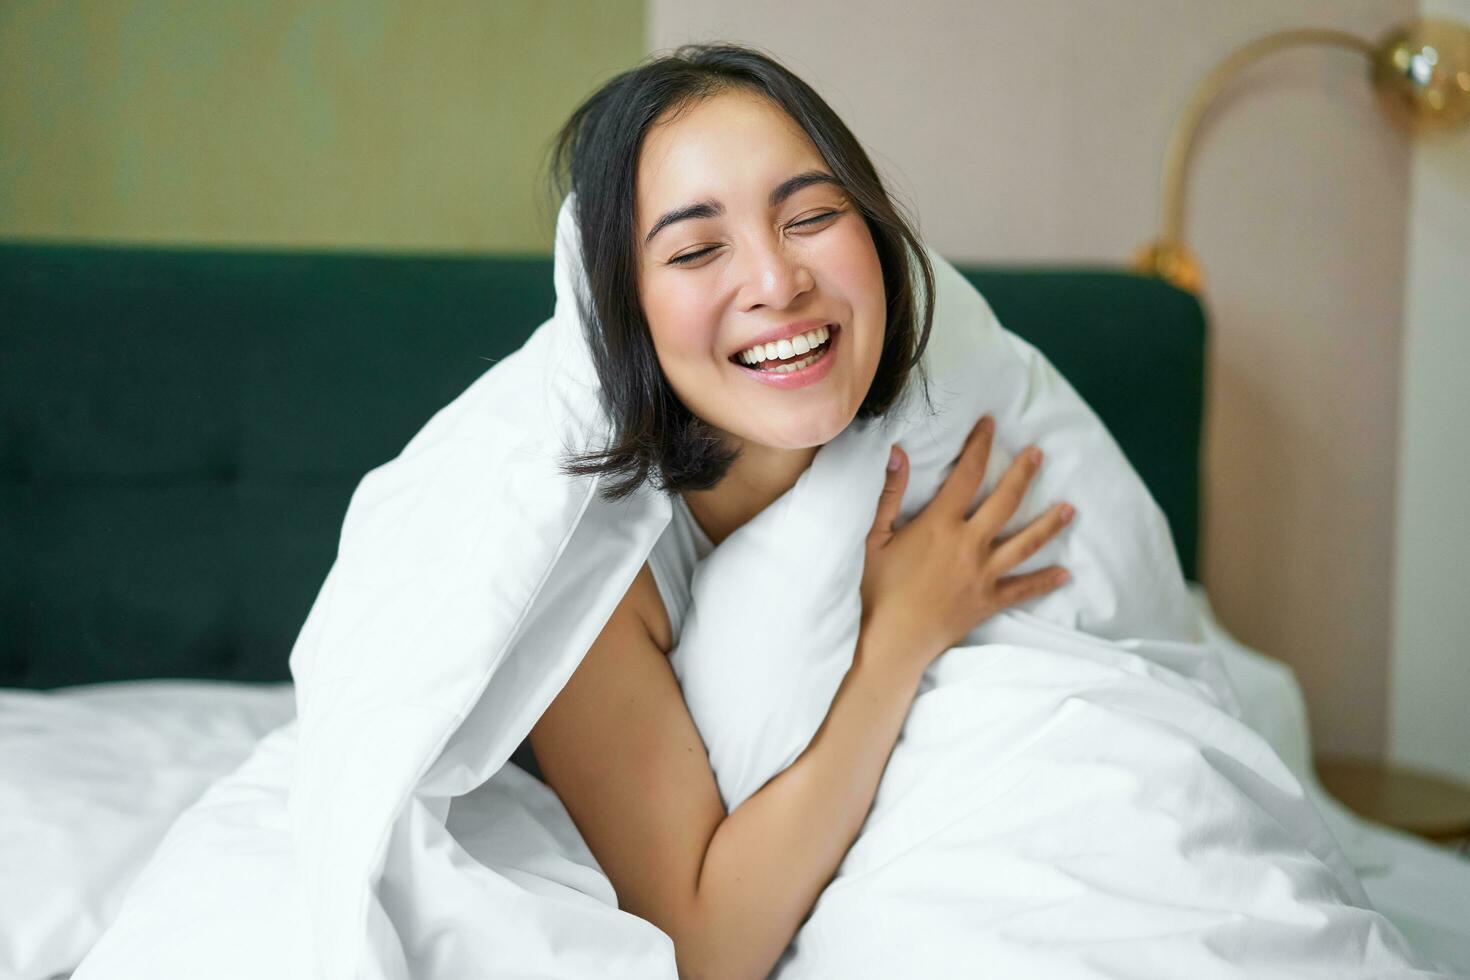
[[755, 261]]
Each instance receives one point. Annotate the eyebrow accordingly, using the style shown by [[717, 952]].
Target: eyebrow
[[712, 209]]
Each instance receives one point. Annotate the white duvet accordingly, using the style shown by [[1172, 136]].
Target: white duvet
[[1074, 793]]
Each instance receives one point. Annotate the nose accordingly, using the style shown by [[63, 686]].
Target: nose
[[774, 276]]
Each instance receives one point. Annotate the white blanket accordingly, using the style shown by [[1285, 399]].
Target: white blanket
[[1073, 793], [91, 777]]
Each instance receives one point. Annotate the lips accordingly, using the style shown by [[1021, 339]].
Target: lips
[[785, 350], [809, 374], [803, 353], [785, 332]]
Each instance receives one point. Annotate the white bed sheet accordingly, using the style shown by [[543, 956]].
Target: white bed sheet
[[92, 777], [1423, 888]]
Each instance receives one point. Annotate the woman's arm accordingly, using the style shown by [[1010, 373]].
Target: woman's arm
[[620, 749], [769, 860]]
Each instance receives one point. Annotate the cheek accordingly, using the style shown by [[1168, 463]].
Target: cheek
[[856, 258], [680, 320], [855, 272]]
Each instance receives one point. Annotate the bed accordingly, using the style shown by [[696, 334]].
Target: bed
[[181, 430]]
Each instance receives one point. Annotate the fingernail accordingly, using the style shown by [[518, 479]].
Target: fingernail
[[893, 460], [986, 424], [1033, 455], [1066, 512], [1062, 577]]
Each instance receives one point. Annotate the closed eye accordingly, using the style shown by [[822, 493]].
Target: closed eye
[[815, 218], [691, 256]]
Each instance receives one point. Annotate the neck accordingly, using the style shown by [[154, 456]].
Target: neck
[[757, 478]]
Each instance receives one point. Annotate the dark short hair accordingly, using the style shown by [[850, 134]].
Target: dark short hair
[[656, 438]]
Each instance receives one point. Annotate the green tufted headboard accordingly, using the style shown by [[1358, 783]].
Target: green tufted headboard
[[181, 429]]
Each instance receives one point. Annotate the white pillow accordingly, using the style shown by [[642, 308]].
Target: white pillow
[[90, 780]]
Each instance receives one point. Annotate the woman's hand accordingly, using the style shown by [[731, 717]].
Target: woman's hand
[[932, 581]]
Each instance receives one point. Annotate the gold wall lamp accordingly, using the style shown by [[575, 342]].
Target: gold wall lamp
[[1419, 70]]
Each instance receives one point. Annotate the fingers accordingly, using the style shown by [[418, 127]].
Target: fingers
[[960, 486], [1018, 588], [891, 497], [1001, 505], [1026, 542]]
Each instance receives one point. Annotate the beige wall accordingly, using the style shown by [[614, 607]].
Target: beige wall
[[1429, 707], [1033, 131], [341, 123]]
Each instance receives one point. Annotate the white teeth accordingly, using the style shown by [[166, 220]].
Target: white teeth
[[782, 349], [794, 365]]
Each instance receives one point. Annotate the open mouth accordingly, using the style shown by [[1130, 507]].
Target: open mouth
[[788, 356]]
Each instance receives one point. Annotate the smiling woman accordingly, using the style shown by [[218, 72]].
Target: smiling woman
[[788, 254], [724, 207], [751, 290]]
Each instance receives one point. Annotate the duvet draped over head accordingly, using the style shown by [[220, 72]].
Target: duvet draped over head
[[473, 575]]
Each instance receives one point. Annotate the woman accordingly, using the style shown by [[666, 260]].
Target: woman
[[751, 292]]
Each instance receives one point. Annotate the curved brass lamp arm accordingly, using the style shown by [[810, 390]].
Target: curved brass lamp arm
[[1181, 139], [1420, 70]]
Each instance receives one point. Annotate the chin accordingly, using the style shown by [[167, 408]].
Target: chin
[[804, 433]]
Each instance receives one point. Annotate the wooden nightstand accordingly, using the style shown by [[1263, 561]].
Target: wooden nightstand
[[1432, 806]]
